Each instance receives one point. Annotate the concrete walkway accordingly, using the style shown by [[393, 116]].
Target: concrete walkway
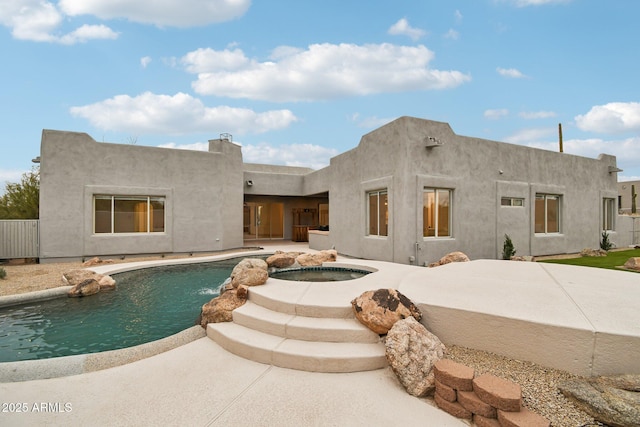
[[200, 384], [583, 320]]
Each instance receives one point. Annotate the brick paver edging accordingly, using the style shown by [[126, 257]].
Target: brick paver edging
[[487, 400]]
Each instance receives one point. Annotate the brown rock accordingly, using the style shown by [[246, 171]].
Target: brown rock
[[593, 252], [248, 263], [250, 277], [498, 392], [317, 259], [282, 259], [454, 374], [453, 408], [633, 263], [74, 277], [85, 288], [107, 283], [456, 256], [411, 351], [522, 418], [220, 309], [379, 310]]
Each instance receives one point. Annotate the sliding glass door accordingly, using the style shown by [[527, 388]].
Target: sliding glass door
[[263, 220]]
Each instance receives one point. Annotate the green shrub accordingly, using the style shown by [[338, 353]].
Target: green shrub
[[507, 249], [3, 273], [605, 243]]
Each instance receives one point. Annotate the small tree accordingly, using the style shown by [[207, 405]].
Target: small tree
[[507, 249], [605, 243], [21, 200]]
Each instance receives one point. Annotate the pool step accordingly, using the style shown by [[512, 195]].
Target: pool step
[[312, 356], [328, 329]]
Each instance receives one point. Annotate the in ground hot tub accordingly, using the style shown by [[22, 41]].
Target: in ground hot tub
[[319, 274]]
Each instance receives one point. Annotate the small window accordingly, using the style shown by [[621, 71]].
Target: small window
[[547, 213], [512, 201], [608, 213], [378, 213], [128, 214]]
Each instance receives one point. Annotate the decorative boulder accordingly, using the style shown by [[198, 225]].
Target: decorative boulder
[[633, 263], [220, 308], [85, 288], [95, 261], [311, 260], [614, 401], [451, 257], [78, 276], [248, 263], [593, 252], [250, 277], [379, 310], [282, 259], [411, 351]]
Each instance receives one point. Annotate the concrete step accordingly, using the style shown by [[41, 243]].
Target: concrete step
[[312, 356], [303, 328], [284, 298]]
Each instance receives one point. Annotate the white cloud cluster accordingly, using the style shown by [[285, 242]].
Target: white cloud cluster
[[304, 155], [525, 3], [40, 21], [181, 113], [530, 115], [496, 113], [322, 71], [510, 72], [614, 117], [173, 13], [403, 28]]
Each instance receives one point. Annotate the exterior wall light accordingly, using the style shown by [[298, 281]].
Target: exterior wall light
[[432, 142], [249, 183]]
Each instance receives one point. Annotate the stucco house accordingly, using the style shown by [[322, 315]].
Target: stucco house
[[410, 192]]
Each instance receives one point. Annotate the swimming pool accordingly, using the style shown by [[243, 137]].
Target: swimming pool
[[149, 304]]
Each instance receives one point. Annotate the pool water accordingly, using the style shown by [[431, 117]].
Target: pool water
[[319, 274], [148, 305]]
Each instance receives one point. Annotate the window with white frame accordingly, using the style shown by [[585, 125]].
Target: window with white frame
[[512, 201], [547, 213], [377, 213], [128, 214], [608, 213], [436, 212]]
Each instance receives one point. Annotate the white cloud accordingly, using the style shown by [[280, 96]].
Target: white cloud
[[40, 20], [525, 3], [372, 122], [196, 146], [496, 114], [510, 72], [529, 115], [402, 28], [145, 60], [149, 113], [614, 117], [173, 13], [457, 16], [452, 34], [37, 20], [531, 136], [304, 155], [323, 71]]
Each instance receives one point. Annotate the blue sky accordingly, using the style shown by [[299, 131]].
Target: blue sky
[[297, 82]]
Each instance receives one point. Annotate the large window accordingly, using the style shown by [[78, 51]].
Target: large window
[[378, 213], [436, 212], [608, 212], [547, 213], [128, 214]]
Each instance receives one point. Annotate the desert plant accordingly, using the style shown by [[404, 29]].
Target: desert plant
[[605, 243], [507, 249], [3, 273]]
